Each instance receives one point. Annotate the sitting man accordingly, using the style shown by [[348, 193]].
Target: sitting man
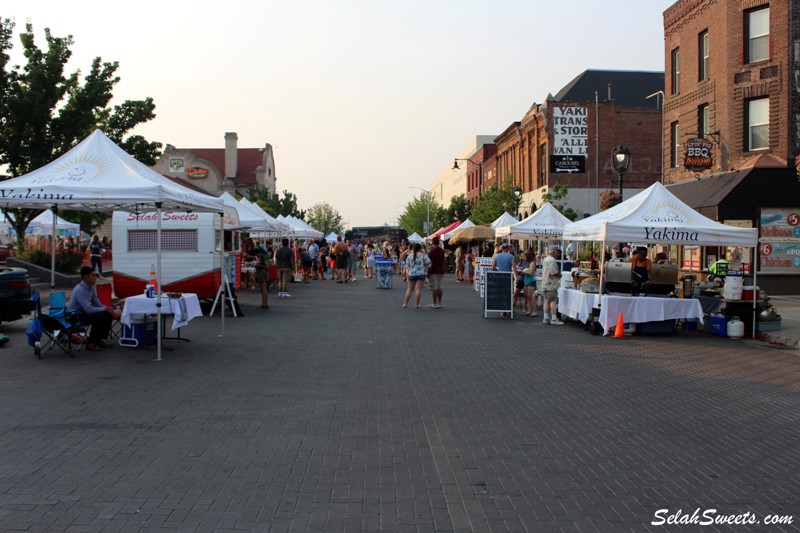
[[90, 311]]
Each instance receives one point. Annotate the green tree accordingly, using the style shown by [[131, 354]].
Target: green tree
[[325, 218], [416, 214], [494, 202], [44, 112], [557, 198], [274, 204], [459, 208]]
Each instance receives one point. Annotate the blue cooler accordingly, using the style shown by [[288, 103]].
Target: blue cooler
[[140, 333], [719, 325]]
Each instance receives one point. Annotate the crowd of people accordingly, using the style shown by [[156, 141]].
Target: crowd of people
[[344, 261]]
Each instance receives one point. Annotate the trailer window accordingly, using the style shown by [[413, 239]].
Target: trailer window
[[172, 240]]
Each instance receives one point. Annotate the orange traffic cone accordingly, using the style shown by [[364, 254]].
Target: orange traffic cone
[[619, 332], [153, 280]]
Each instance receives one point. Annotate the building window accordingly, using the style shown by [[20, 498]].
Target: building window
[[702, 120], [758, 124], [676, 71], [702, 56], [674, 149], [542, 165], [756, 30]]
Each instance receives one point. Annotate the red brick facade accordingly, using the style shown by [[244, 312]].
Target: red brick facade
[[730, 84]]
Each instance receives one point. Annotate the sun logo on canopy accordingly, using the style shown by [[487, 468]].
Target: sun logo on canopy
[[85, 169], [667, 212]]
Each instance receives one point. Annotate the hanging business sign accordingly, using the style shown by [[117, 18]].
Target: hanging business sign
[[197, 172], [568, 163], [698, 155]]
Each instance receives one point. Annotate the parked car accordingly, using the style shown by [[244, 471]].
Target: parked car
[[6, 244], [15, 294]]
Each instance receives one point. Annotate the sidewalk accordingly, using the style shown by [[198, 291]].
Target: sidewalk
[[788, 308]]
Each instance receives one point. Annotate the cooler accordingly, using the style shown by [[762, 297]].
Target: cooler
[[140, 333], [383, 274]]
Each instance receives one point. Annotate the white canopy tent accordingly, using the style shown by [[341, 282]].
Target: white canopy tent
[[546, 222], [503, 220], [42, 225], [97, 175], [278, 228], [415, 238], [332, 237], [310, 232], [656, 216], [464, 225]]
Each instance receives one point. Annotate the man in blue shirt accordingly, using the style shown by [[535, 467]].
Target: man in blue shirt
[[504, 261], [84, 303]]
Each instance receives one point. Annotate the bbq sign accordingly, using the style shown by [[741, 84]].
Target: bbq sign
[[698, 155]]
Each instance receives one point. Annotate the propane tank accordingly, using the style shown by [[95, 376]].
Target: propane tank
[[735, 328]]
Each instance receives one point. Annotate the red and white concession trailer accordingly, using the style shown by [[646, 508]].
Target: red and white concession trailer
[[190, 251]]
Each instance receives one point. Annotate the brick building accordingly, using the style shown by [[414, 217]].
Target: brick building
[[569, 138], [732, 88], [217, 170]]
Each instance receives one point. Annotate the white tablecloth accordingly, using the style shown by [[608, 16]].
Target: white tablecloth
[[576, 304], [142, 305], [639, 309]]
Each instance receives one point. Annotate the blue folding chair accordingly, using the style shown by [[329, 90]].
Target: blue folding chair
[[59, 328]]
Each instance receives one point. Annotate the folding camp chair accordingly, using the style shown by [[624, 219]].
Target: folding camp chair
[[59, 328], [104, 295]]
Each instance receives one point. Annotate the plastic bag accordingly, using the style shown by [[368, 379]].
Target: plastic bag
[[34, 332]]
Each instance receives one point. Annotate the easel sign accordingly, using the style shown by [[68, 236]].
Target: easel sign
[[499, 296], [484, 264]]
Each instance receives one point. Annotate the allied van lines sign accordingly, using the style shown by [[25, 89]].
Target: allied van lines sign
[[698, 155], [570, 139]]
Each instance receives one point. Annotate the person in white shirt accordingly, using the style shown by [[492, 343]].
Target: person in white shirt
[[551, 280]]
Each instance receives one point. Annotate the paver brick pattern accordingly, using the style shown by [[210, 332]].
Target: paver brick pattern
[[337, 410]]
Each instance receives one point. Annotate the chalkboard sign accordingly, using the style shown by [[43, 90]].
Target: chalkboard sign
[[499, 293]]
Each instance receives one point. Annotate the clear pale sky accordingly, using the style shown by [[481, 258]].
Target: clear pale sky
[[359, 99]]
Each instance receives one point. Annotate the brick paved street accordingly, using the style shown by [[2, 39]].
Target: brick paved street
[[337, 410]]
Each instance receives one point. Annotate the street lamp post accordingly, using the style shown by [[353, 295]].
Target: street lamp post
[[517, 200], [428, 206], [621, 159]]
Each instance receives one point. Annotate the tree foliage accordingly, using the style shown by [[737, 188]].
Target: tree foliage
[[416, 214], [458, 209], [494, 201], [276, 205], [44, 112], [557, 198], [325, 218]]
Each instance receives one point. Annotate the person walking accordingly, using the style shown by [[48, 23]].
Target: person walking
[[417, 264], [529, 283], [551, 280], [262, 274], [436, 273], [96, 254], [313, 252], [284, 260]]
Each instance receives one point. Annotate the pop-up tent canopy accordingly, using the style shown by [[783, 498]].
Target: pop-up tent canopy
[[464, 225], [42, 225], [546, 222], [656, 216], [279, 228], [332, 237], [503, 220], [444, 230], [414, 238], [98, 175]]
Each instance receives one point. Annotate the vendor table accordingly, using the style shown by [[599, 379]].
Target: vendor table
[[577, 304], [639, 309], [182, 314]]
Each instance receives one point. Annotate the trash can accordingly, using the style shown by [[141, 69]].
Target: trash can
[[383, 274]]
